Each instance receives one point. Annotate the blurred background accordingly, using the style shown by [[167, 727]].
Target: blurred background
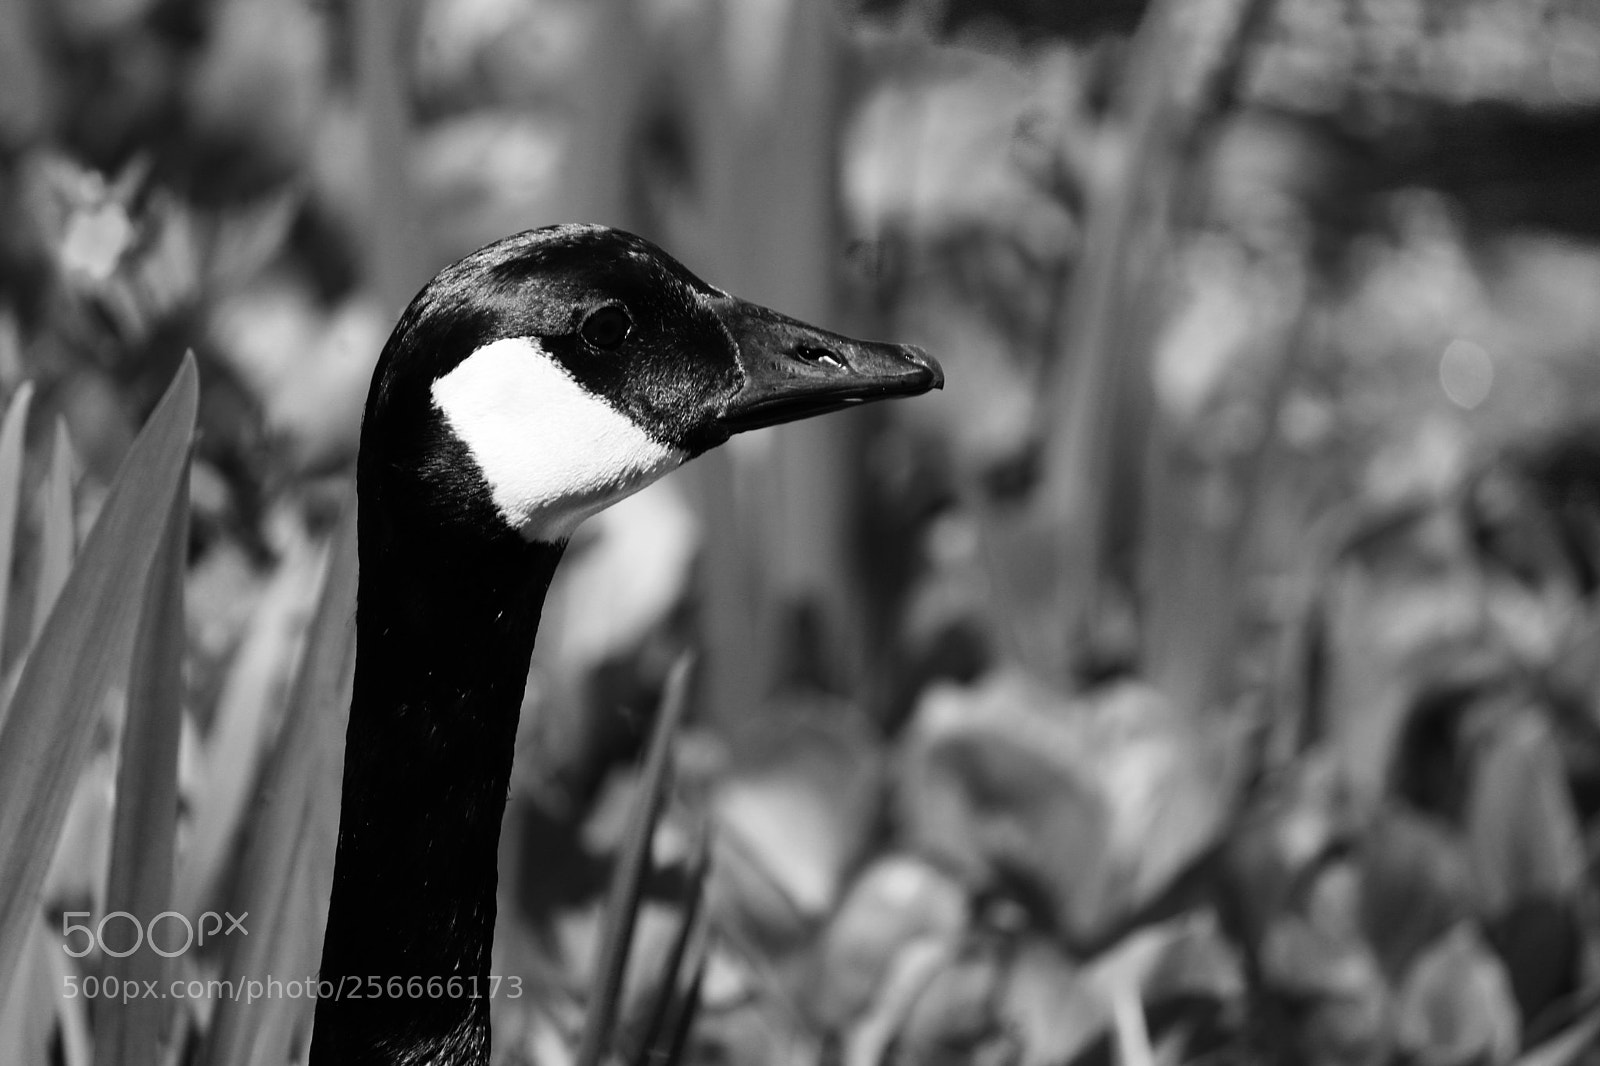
[[1208, 674]]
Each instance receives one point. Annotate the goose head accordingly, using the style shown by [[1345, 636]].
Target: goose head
[[550, 374]]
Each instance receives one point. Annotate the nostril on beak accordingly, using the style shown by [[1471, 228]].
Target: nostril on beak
[[818, 356]]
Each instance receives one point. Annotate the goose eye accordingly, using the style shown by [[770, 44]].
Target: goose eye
[[607, 327]]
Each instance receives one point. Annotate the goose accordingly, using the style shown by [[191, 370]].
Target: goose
[[526, 387]]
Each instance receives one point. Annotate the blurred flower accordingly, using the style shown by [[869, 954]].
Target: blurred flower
[[1100, 802], [1456, 1007], [896, 900], [933, 152], [801, 798], [308, 366], [95, 239]]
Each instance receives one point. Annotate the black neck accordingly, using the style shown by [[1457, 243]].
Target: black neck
[[445, 626]]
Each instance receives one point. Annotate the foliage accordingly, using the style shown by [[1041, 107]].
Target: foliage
[[1208, 673]]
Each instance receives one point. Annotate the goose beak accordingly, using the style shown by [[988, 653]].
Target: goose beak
[[790, 370]]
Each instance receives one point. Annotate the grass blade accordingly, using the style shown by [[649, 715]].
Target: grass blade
[[38, 1023], [278, 1022], [247, 713], [27, 1016], [661, 1032], [1566, 1048], [765, 133], [58, 539], [622, 907], [83, 647], [140, 880], [396, 255], [689, 1005], [298, 791], [11, 440]]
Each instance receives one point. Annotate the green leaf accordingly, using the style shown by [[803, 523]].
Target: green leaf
[[244, 726], [1568, 1046], [11, 439], [28, 1016], [662, 1033], [58, 538], [633, 863], [140, 880], [79, 654], [39, 1022], [1415, 886], [292, 837], [1523, 835]]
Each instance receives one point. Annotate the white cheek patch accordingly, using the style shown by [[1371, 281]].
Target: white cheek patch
[[552, 453]]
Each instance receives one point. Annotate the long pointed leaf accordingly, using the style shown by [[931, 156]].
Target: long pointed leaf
[[27, 1017], [633, 862], [140, 881], [274, 1025], [768, 132], [298, 787], [1565, 1048], [84, 645], [248, 710], [689, 1004], [11, 439], [58, 538], [661, 1032]]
